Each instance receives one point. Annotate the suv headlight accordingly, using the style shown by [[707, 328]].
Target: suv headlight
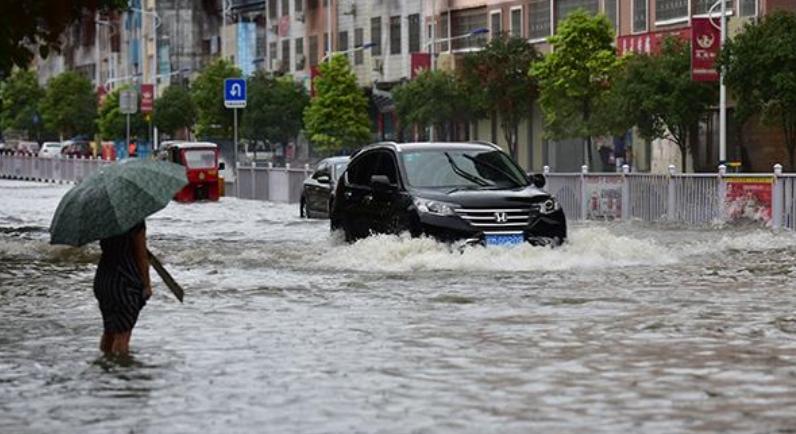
[[434, 207], [549, 206]]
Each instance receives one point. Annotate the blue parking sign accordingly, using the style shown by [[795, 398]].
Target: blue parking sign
[[235, 93]]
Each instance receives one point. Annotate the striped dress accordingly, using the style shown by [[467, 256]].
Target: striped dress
[[118, 285]]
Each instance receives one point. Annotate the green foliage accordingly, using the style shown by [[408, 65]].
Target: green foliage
[[69, 106], [113, 124], [337, 118], [21, 95], [207, 91], [29, 23], [175, 110], [499, 76], [275, 110], [760, 71], [657, 94], [434, 98], [575, 78]]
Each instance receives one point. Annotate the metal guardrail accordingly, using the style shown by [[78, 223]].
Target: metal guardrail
[[696, 199], [32, 168], [275, 184]]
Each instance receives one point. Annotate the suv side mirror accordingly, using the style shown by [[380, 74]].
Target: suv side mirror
[[222, 166], [539, 181], [381, 184], [324, 179]]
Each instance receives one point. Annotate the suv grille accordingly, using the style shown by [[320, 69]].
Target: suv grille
[[509, 218]]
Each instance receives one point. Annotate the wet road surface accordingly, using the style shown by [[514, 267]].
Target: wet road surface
[[628, 328]]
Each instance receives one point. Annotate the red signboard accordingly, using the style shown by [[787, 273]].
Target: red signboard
[[147, 98], [749, 200], [648, 43], [705, 43], [283, 26], [102, 93], [420, 61], [314, 73]]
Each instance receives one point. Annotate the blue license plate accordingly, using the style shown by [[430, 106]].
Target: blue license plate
[[504, 239]]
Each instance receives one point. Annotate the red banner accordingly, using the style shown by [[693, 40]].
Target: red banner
[[102, 94], [749, 200], [147, 98], [420, 61], [705, 43], [314, 73], [648, 43]]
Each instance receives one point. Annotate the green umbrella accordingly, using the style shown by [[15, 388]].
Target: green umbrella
[[114, 199]]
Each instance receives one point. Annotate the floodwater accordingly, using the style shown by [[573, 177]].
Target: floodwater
[[628, 328]]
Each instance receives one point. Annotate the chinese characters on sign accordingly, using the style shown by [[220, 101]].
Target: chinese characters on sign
[[705, 42], [749, 200], [648, 43], [147, 98]]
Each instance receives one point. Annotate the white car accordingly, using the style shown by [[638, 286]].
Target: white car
[[51, 149]]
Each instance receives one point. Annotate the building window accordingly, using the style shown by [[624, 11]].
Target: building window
[[286, 54], [359, 40], [702, 7], [566, 7], [313, 50], [272, 8], [516, 22], [464, 22], [395, 35], [670, 10], [285, 7], [539, 19], [272, 50], [442, 32], [326, 47], [299, 5], [375, 35], [639, 16], [342, 42], [611, 13], [495, 21], [299, 54], [748, 8], [414, 33]]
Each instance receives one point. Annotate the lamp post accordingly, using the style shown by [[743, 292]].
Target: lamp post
[[155, 24], [722, 88], [366, 46]]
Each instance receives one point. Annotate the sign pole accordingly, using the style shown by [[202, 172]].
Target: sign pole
[[127, 143], [723, 93], [235, 138]]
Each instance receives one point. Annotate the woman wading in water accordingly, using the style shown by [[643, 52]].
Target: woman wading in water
[[122, 287]]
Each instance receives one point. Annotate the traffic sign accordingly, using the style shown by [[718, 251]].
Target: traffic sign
[[235, 93], [128, 102]]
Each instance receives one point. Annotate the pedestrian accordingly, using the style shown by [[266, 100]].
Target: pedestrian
[[122, 287], [131, 149]]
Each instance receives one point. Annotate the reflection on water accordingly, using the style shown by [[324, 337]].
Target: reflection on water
[[626, 329]]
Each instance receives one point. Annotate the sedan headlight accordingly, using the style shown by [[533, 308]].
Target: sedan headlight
[[549, 206], [434, 207]]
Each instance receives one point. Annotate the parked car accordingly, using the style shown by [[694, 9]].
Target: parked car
[[30, 148], [317, 194], [50, 149], [470, 192], [77, 149]]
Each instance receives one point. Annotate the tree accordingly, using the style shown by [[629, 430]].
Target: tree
[[21, 95], [500, 74], [113, 123], [40, 23], [175, 110], [69, 106], [276, 107], [437, 99], [657, 94], [337, 117], [207, 91], [575, 77], [760, 70]]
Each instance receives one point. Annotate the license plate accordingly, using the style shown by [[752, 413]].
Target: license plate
[[504, 239]]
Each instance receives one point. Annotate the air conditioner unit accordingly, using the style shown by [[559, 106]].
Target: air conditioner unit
[[378, 65], [300, 16]]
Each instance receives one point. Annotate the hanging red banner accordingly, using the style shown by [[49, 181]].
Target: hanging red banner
[[705, 44], [420, 61], [147, 98]]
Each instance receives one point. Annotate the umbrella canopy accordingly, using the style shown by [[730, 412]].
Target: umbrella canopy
[[114, 199]]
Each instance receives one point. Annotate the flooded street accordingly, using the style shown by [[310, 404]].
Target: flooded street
[[285, 328]]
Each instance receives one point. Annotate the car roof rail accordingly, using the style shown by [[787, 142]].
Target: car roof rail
[[485, 142]]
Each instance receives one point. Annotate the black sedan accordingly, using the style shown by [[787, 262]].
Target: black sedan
[[317, 194]]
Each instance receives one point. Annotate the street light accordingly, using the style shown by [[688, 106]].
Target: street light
[[155, 25], [722, 87], [110, 81], [366, 46]]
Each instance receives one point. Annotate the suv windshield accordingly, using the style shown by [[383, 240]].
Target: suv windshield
[[457, 168]]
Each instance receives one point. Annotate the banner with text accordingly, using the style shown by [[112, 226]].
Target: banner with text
[[705, 44]]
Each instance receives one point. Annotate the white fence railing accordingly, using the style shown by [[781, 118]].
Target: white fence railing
[[766, 199], [276, 184], [32, 168]]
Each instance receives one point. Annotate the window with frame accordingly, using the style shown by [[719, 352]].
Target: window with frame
[[299, 5], [313, 47], [299, 53], [539, 19], [611, 12], [375, 36], [322, 170], [639, 16], [702, 7], [272, 8], [325, 48], [286, 54], [395, 35], [363, 168], [342, 42], [272, 50], [359, 40], [495, 23], [285, 7], [516, 22], [464, 22], [442, 32], [748, 8], [670, 10], [414, 33], [566, 7]]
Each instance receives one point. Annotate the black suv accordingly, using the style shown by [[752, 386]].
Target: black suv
[[451, 191]]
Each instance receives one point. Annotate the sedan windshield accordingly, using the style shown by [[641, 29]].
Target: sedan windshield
[[456, 168]]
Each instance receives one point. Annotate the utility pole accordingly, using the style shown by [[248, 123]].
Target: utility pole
[[723, 92], [329, 28]]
